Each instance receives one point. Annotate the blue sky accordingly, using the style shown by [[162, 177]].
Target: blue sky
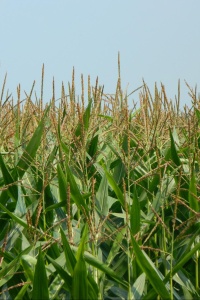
[[158, 40]]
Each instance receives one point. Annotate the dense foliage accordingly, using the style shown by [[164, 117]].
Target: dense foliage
[[97, 200]]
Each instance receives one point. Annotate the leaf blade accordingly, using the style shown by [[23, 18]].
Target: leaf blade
[[40, 282]]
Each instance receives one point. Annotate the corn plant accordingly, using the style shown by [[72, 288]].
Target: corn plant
[[99, 200]]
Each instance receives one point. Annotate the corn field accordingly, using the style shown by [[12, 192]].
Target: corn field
[[99, 200]]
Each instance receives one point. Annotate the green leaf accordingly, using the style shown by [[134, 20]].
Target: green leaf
[[62, 182], [40, 283], [74, 190], [93, 261], [8, 180], [115, 187], [119, 171], [183, 260], [27, 266], [18, 220], [150, 271], [109, 118], [86, 119], [56, 285], [69, 255], [31, 149], [174, 154], [138, 287], [93, 289], [71, 263], [20, 209], [102, 196], [8, 270], [66, 150], [55, 206], [93, 145], [63, 274], [22, 292], [135, 214], [197, 114], [51, 157], [193, 198], [80, 280], [116, 245]]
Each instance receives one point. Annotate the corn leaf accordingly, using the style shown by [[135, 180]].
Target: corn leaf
[[8, 180], [138, 287], [8, 270], [135, 214], [75, 192], [116, 246], [150, 272], [80, 280], [197, 114], [86, 119], [31, 149], [183, 260], [63, 274], [18, 220], [69, 255], [22, 292], [62, 182], [40, 282], [174, 154], [102, 196], [115, 187], [27, 266], [93, 145], [193, 198], [93, 261]]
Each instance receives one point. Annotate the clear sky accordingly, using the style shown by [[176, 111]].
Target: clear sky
[[158, 40]]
